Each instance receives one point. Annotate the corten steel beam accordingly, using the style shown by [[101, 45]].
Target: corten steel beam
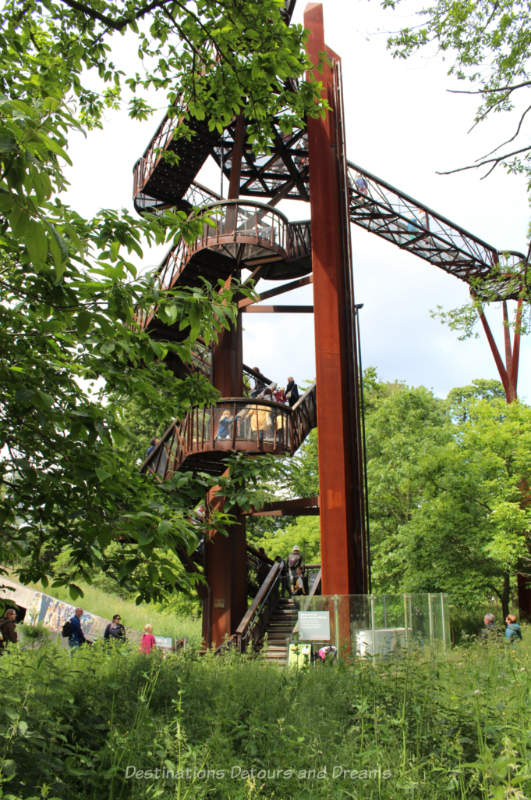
[[286, 287], [225, 557], [341, 499], [508, 373], [226, 572], [277, 310], [301, 506]]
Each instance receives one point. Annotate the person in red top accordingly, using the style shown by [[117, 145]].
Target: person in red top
[[148, 640], [280, 395]]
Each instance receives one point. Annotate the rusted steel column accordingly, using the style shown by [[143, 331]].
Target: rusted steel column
[[228, 353], [341, 488], [508, 373], [226, 573], [236, 158], [225, 556]]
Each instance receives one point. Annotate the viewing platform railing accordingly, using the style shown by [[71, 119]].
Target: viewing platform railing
[[251, 233], [235, 424]]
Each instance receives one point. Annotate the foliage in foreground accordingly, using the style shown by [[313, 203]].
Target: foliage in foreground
[[452, 726], [71, 352]]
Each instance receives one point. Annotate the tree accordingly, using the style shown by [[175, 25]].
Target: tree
[[70, 349], [303, 531], [489, 44], [403, 429], [444, 482], [470, 534]]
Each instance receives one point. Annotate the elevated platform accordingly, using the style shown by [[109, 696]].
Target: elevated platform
[[393, 215], [373, 203], [204, 439], [246, 235]]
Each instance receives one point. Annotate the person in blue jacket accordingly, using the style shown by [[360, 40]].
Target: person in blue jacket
[[513, 632], [77, 637], [225, 425]]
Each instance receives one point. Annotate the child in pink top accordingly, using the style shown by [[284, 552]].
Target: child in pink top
[[148, 640]]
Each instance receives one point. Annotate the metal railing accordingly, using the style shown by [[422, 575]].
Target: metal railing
[[249, 232], [303, 416], [252, 628], [256, 426], [196, 195], [145, 165], [380, 208], [245, 424]]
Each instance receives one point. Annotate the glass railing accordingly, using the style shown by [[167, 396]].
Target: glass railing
[[368, 626]]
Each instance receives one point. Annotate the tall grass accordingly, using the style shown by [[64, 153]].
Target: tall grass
[[118, 725]]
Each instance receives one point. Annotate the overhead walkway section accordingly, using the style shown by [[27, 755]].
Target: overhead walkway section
[[393, 215]]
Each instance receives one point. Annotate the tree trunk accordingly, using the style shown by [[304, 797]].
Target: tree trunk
[[506, 594]]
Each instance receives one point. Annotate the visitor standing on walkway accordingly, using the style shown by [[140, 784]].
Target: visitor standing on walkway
[[295, 561], [292, 392]]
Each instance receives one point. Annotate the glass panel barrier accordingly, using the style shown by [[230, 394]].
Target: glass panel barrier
[[370, 626]]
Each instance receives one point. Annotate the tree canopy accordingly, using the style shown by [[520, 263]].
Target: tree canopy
[[445, 480], [488, 44]]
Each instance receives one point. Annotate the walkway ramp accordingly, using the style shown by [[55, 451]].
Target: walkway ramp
[[393, 215]]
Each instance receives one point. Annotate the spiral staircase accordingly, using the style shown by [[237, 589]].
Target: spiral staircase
[[250, 234]]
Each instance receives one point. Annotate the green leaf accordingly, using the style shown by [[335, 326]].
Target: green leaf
[[7, 143], [83, 320], [165, 527], [36, 242], [144, 537]]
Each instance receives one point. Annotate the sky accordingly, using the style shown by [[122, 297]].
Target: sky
[[403, 125]]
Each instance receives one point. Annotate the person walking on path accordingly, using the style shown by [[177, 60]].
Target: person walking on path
[[490, 630], [115, 631], [76, 637], [8, 629], [147, 645], [513, 632]]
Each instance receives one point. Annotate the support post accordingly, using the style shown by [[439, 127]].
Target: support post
[[341, 487], [225, 556], [508, 373], [226, 574]]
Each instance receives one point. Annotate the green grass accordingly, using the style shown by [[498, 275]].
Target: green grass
[[105, 604], [455, 726]]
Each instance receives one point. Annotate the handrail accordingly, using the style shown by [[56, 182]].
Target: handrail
[[254, 613], [266, 232], [303, 416], [252, 424], [315, 583], [145, 165], [261, 426]]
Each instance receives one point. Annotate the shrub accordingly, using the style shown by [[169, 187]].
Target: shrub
[[99, 724]]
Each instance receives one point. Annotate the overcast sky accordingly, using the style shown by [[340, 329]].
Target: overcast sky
[[403, 126]]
